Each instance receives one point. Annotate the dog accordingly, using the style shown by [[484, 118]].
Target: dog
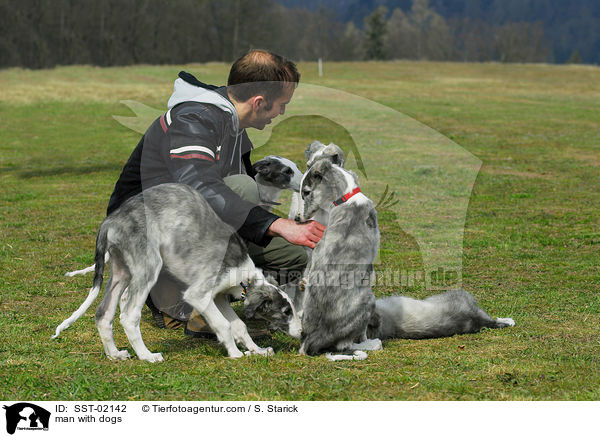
[[172, 226], [442, 315], [273, 174], [338, 301]]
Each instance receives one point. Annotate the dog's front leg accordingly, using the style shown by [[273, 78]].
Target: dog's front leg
[[239, 329]]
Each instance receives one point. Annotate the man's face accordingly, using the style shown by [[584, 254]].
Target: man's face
[[263, 116]]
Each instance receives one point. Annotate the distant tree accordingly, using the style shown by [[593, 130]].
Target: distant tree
[[375, 31], [521, 42], [419, 34], [351, 44], [401, 36], [474, 41], [575, 58]]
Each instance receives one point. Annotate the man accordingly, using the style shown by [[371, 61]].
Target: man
[[201, 141]]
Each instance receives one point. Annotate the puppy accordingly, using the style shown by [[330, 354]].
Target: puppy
[[172, 226]]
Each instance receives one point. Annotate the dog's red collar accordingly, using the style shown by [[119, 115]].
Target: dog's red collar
[[346, 196]]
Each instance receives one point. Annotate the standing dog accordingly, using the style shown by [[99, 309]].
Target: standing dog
[[273, 174], [338, 302], [172, 226]]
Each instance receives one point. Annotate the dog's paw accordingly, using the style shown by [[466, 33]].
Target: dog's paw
[[507, 320], [119, 355], [122, 355], [356, 356], [372, 344], [266, 352], [235, 355], [153, 358]]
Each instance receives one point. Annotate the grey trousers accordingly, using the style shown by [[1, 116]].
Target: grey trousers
[[281, 259]]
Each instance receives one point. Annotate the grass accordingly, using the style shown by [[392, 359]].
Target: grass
[[530, 249]]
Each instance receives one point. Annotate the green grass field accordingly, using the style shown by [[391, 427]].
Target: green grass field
[[531, 240]]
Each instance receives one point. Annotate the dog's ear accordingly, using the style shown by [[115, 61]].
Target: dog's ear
[[321, 167], [261, 166], [336, 155], [312, 148]]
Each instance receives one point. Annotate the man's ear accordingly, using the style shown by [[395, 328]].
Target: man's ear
[[258, 102]]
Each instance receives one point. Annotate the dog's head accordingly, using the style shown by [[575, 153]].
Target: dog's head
[[265, 300], [323, 183], [278, 172], [317, 151]]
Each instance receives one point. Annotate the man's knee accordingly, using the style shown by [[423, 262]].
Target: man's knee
[[244, 186]]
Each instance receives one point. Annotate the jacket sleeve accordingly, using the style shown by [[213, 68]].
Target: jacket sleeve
[[192, 157]]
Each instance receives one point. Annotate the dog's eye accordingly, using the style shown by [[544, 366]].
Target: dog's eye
[[305, 192], [289, 171]]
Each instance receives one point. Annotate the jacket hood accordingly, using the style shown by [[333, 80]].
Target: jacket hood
[[186, 92]]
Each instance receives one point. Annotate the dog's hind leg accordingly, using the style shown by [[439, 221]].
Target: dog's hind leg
[[105, 314], [141, 283], [201, 300], [239, 329]]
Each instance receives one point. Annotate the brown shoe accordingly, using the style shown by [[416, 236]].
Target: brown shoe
[[161, 319], [196, 327]]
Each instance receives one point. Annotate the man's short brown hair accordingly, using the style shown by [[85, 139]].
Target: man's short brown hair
[[260, 72]]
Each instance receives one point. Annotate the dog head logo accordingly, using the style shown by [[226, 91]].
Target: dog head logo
[[25, 416]]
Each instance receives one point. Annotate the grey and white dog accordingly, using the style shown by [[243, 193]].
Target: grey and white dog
[[442, 315], [274, 174], [172, 226], [338, 301]]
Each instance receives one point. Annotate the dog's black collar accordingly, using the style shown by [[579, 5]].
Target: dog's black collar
[[346, 196], [268, 202]]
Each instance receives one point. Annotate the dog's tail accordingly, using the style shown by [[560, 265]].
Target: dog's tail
[[101, 244], [87, 269]]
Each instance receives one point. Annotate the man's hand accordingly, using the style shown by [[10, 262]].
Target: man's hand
[[302, 234]]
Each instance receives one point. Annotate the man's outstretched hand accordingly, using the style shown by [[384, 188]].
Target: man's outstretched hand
[[302, 234]]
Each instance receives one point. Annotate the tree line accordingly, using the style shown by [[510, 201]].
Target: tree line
[[46, 33]]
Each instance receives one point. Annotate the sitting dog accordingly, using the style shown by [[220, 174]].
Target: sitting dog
[[338, 301], [172, 226], [442, 315]]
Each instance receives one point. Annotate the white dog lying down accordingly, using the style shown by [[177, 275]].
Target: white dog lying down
[[159, 229]]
